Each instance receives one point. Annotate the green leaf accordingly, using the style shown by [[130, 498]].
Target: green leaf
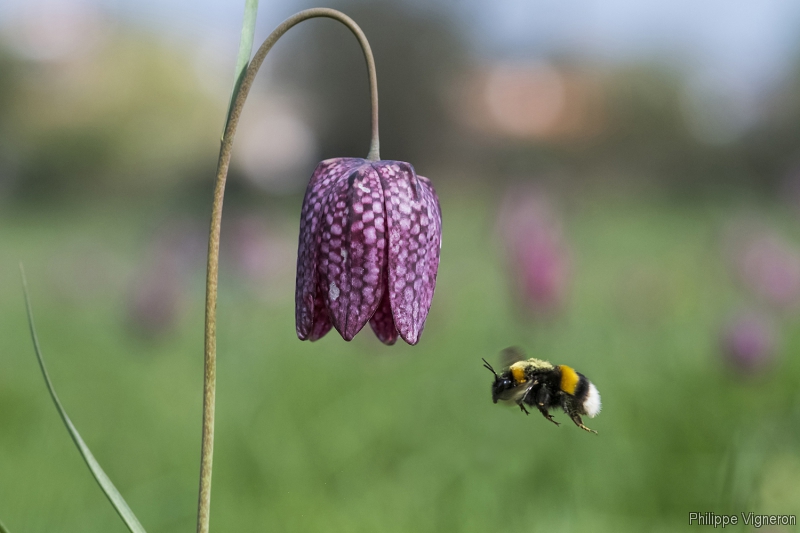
[[245, 50], [105, 483], [3, 528]]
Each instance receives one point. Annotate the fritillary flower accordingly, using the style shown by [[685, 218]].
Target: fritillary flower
[[370, 235]]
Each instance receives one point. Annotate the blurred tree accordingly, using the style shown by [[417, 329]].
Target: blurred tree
[[9, 85], [122, 117], [9, 71], [644, 131], [773, 148], [417, 55], [648, 135]]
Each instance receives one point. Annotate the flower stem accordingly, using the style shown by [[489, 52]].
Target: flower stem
[[212, 275]]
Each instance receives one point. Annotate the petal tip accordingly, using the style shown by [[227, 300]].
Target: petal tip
[[411, 339]]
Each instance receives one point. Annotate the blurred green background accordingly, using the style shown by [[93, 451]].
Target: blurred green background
[[620, 193]]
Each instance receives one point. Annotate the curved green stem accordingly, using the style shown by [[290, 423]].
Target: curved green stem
[[209, 380]]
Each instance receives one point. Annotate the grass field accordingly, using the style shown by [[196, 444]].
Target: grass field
[[358, 437]]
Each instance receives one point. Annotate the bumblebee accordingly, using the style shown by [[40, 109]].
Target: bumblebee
[[539, 384]]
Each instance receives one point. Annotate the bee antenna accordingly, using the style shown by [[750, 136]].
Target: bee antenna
[[488, 366]]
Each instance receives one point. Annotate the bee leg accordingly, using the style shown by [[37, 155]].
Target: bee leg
[[543, 410], [578, 422], [542, 398], [526, 398]]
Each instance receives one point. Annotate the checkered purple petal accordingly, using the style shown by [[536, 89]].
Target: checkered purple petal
[[352, 250], [310, 311], [382, 322], [322, 319], [414, 229], [431, 217]]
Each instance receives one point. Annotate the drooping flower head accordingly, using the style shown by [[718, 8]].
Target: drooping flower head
[[370, 234]]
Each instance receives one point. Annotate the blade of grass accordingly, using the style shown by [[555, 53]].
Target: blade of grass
[[105, 483], [245, 50]]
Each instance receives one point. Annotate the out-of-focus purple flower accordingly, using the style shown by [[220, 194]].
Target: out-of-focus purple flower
[[158, 292], [537, 255], [543, 270], [156, 300], [370, 234], [769, 267], [748, 342], [259, 252]]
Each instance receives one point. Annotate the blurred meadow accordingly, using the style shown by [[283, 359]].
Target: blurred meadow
[[620, 193]]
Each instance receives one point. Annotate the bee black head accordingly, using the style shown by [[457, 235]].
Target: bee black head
[[502, 382]]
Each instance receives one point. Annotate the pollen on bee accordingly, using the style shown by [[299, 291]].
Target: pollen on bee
[[518, 372]]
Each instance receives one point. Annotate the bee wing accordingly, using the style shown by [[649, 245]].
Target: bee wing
[[511, 355], [521, 391]]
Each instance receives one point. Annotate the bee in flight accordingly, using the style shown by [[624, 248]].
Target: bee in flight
[[539, 384]]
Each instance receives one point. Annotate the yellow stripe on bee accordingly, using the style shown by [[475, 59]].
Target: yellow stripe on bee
[[518, 371], [569, 379]]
